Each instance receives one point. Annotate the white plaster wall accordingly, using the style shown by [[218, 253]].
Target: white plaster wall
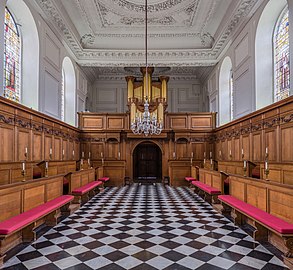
[[46, 97], [109, 95], [242, 53], [183, 96]]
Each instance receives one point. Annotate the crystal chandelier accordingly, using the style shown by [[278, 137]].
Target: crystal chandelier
[[145, 123]]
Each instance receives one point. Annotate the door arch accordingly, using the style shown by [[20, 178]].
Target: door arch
[[147, 162]]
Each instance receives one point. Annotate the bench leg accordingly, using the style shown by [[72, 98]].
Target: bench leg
[[208, 198], [85, 198], [215, 199], [51, 219], [77, 199], [289, 245], [28, 233], [237, 217], [65, 209], [261, 233], [226, 210]]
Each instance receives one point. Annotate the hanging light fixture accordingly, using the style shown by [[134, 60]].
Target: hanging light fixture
[[145, 123]]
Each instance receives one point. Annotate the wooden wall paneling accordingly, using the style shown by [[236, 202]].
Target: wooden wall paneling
[[181, 150], [112, 149], [246, 147], [48, 144], [286, 137], [10, 204], [271, 143], [237, 189], [230, 152], [280, 203], [224, 150], [33, 196], [197, 149], [96, 149], [256, 146], [7, 142], [22, 142], [57, 149], [54, 189], [257, 196], [36, 149], [65, 149], [237, 148], [178, 170]]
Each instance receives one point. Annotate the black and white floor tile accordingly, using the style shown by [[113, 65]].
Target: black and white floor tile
[[145, 227]]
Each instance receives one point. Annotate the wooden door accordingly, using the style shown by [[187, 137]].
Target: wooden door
[[147, 162]]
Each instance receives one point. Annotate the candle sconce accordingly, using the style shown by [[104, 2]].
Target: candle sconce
[[103, 161], [244, 168], [89, 163], [23, 172], [46, 169], [230, 155], [267, 170], [81, 164]]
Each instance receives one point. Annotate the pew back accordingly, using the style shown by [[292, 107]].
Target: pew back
[[80, 178], [280, 173], [19, 197], [212, 178], [272, 197]]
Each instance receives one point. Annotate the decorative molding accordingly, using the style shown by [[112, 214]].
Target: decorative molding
[[97, 57]]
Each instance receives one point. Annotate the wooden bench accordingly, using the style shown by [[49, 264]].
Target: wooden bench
[[267, 207], [82, 185], [57, 167], [208, 193], [27, 205], [84, 193]]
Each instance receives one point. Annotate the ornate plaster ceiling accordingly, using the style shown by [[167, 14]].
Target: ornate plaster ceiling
[[110, 33]]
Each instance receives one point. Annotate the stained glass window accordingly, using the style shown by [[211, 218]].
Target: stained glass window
[[12, 48], [231, 94], [282, 59]]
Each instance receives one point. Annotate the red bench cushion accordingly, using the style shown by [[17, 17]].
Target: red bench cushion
[[86, 188], [17, 222], [189, 178], [206, 188], [265, 218], [104, 179]]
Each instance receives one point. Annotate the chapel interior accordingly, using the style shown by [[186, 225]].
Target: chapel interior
[[146, 134]]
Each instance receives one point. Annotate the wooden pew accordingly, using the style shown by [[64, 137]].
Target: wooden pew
[[267, 197], [278, 172], [236, 167], [79, 179], [114, 169], [57, 167], [213, 185], [25, 206], [11, 172]]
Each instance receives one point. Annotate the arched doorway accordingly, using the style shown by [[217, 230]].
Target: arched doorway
[[147, 163]]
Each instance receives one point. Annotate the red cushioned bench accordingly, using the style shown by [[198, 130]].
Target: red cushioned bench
[[84, 193], [262, 221], [209, 193], [104, 179], [189, 179], [26, 222]]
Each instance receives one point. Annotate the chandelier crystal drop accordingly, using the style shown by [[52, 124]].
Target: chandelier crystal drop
[[145, 122]]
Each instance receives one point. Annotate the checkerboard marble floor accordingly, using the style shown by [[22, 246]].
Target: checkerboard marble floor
[[145, 227]]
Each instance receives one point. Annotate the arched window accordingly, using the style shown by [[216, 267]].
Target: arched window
[[62, 95], [281, 54], [68, 92], [225, 93], [231, 85], [12, 58]]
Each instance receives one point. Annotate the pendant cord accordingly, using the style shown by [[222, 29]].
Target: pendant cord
[[146, 46]]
